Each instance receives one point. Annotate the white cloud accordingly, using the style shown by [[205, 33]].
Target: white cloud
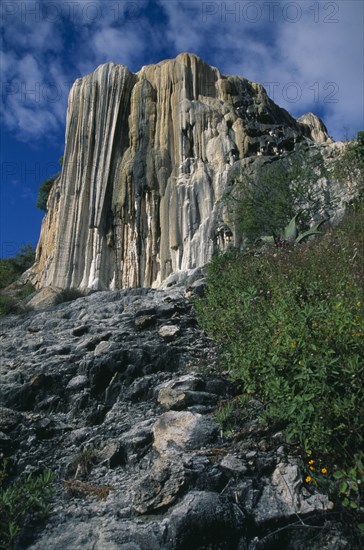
[[59, 46]]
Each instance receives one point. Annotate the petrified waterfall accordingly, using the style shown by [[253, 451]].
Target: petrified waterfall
[[146, 162]]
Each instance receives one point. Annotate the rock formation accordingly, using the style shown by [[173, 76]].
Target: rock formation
[[98, 391], [146, 161]]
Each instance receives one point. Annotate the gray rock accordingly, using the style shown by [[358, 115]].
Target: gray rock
[[168, 332], [283, 497], [101, 348], [172, 394], [233, 465], [176, 431], [77, 382], [160, 487], [190, 487]]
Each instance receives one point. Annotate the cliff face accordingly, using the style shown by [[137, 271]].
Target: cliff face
[[146, 161]]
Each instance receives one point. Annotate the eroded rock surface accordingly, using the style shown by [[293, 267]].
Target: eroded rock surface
[[92, 395], [146, 162]]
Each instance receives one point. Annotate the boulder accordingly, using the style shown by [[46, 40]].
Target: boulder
[[177, 431]]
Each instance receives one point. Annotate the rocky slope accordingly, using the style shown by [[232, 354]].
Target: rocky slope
[[116, 392], [147, 159]]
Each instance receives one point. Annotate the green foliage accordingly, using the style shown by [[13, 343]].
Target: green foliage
[[45, 188], [351, 484], [12, 268], [264, 203], [289, 326], [10, 271], [232, 413], [68, 295], [291, 235], [43, 192], [13, 304], [21, 502], [349, 167]]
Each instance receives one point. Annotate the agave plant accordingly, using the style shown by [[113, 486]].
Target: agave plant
[[291, 235]]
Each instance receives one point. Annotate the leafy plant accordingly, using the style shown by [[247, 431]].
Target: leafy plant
[[21, 502], [289, 327], [264, 202], [291, 235], [232, 413], [349, 167], [45, 189], [351, 484], [11, 268]]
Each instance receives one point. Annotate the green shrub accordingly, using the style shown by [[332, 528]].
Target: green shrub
[[68, 295], [43, 192], [12, 268], [349, 167], [21, 502], [264, 202], [45, 188], [289, 326]]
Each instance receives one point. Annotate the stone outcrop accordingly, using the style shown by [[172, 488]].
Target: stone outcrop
[[146, 162], [314, 128], [112, 407]]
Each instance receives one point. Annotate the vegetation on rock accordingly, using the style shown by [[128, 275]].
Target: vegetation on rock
[[265, 201], [10, 271], [22, 502], [68, 295], [45, 189], [289, 325]]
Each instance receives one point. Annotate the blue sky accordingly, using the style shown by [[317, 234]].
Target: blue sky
[[308, 54]]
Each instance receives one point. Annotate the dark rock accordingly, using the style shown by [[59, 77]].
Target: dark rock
[[77, 383], [80, 331], [205, 520], [102, 404]]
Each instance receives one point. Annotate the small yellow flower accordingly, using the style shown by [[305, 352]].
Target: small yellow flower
[[323, 470], [358, 304], [308, 479], [312, 468], [311, 462]]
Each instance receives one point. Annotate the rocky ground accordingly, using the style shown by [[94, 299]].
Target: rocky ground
[[114, 392]]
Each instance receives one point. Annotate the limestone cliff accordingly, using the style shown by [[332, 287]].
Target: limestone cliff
[[146, 161]]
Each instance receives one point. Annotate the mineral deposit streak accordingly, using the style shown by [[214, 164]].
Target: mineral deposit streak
[[146, 163]]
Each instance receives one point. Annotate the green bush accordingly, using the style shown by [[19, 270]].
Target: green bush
[[349, 167], [45, 188], [12, 268], [10, 305], [289, 327], [264, 202], [43, 192], [68, 295], [21, 502]]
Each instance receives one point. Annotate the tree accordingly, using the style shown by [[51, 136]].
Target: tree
[[45, 189], [43, 192], [265, 201], [12, 268]]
